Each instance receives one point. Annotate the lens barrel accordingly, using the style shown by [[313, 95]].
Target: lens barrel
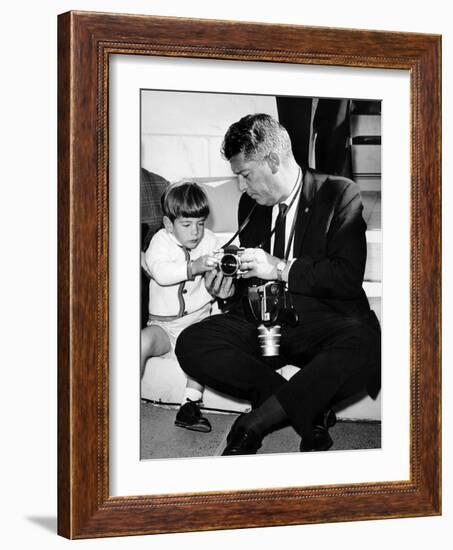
[[269, 340], [229, 264]]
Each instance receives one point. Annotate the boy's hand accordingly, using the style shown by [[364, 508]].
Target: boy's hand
[[218, 285], [203, 264]]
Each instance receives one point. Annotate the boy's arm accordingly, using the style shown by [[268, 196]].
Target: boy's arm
[[163, 270], [167, 271]]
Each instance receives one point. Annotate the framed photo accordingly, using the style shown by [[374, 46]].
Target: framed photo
[[145, 101], [180, 142]]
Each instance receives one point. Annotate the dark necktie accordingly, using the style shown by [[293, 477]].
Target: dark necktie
[[279, 241]]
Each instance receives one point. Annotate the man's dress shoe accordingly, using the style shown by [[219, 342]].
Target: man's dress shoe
[[241, 441], [321, 440]]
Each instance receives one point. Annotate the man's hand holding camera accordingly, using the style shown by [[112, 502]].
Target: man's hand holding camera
[[256, 262], [218, 285]]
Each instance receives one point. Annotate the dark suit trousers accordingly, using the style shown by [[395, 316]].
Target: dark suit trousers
[[337, 356]]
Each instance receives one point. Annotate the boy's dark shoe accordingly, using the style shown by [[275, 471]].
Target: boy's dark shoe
[[189, 416]]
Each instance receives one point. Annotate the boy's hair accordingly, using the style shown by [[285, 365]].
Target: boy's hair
[[185, 200], [256, 136]]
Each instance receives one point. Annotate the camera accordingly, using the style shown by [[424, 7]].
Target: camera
[[265, 303], [229, 260], [269, 304]]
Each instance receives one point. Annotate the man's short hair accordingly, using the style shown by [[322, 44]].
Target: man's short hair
[[185, 199], [256, 136]]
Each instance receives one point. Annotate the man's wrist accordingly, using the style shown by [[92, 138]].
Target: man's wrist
[[285, 273], [279, 268]]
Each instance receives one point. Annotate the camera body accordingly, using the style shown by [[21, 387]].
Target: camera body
[[229, 260], [265, 299]]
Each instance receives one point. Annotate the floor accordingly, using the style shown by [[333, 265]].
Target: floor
[[160, 438]]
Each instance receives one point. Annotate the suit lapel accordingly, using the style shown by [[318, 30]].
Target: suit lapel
[[304, 209]]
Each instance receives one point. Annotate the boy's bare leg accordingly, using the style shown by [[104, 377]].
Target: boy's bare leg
[[189, 415], [154, 342]]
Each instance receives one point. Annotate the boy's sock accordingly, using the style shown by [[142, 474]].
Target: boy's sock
[[191, 394], [189, 415]]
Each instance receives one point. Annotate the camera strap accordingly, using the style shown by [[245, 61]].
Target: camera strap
[[293, 228], [242, 226]]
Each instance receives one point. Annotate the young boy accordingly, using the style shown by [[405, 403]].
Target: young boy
[[177, 258]]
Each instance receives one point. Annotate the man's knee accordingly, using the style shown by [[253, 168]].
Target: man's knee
[[186, 349], [186, 342], [181, 343], [197, 339]]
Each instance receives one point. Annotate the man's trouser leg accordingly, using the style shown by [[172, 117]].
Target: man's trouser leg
[[337, 354], [222, 352]]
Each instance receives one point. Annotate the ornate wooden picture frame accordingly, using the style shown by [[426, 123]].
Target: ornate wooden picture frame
[[85, 507]]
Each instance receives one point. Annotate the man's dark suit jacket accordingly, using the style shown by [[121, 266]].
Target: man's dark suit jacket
[[329, 244]]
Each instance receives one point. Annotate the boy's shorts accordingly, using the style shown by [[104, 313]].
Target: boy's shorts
[[174, 328]]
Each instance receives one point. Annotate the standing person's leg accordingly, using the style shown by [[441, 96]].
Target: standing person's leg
[[222, 352]]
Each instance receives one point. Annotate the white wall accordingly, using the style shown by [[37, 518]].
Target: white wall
[[28, 290], [182, 131]]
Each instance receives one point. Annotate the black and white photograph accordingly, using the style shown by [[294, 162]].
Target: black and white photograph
[[261, 274], [234, 247]]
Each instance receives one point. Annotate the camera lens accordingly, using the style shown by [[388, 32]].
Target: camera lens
[[229, 264], [269, 340]]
